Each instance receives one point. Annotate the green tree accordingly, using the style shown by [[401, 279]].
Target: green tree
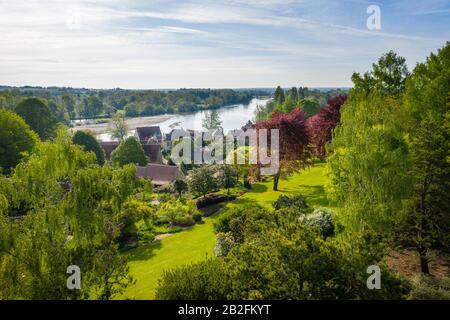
[[293, 94], [180, 186], [69, 102], [203, 181], [90, 143], [38, 116], [129, 152], [427, 105], [118, 126], [16, 139], [211, 120], [228, 177], [68, 208], [92, 106], [279, 95]]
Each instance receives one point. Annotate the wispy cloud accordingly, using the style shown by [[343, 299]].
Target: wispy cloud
[[225, 43]]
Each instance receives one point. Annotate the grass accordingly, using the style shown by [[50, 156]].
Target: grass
[[309, 183], [148, 262]]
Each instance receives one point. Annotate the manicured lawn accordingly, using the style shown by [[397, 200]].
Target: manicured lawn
[[148, 262], [309, 183]]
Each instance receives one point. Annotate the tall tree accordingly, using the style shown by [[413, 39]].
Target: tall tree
[[16, 139], [368, 149], [88, 141], [38, 116], [427, 102], [321, 125], [279, 95], [129, 152], [118, 127], [294, 150], [211, 120]]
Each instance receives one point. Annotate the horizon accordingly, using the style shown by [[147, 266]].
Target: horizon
[[198, 44]]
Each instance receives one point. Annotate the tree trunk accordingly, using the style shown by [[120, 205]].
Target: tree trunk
[[424, 261], [276, 178]]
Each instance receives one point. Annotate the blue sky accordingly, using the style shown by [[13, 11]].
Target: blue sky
[[216, 44]]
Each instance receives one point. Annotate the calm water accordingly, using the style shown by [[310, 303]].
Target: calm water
[[232, 117]]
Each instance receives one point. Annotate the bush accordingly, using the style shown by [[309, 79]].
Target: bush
[[206, 280], [430, 288], [90, 143], [213, 199], [129, 152], [224, 243], [323, 220], [296, 202], [197, 216]]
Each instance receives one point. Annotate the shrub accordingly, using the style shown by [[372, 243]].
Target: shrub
[[90, 143], [206, 280], [213, 199], [430, 288], [129, 152], [224, 243], [323, 220], [16, 139], [197, 216], [296, 202]]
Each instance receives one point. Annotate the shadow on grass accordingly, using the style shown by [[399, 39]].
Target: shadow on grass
[[315, 195], [258, 188], [144, 252]]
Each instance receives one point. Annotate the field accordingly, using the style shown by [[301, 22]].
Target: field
[[148, 262]]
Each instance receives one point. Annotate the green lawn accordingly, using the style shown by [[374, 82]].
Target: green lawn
[[148, 262]]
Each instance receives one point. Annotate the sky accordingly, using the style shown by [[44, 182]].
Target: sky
[[209, 44]]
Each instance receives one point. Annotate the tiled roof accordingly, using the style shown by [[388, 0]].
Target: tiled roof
[[145, 133], [153, 152], [108, 147], [159, 173]]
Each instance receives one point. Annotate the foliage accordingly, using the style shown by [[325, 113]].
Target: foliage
[[211, 120], [322, 219], [228, 177], [321, 125], [129, 152], [68, 207], [16, 140], [206, 280], [118, 126], [282, 258], [180, 186], [296, 202], [294, 150], [90, 143], [369, 148], [202, 180], [224, 243], [426, 287], [38, 116], [177, 213]]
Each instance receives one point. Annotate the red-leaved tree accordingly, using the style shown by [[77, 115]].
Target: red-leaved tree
[[321, 125], [294, 141]]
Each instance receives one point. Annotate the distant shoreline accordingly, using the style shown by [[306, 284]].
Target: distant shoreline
[[133, 123]]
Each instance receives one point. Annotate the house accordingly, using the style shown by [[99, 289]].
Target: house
[[149, 134], [108, 147], [160, 174], [153, 152]]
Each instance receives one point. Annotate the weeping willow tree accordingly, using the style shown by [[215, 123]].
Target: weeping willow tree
[[59, 208], [368, 166]]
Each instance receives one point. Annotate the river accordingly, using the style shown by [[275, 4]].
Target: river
[[232, 117]]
